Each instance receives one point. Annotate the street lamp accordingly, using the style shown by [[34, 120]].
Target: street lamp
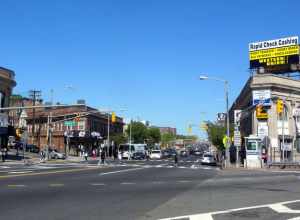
[[203, 77]]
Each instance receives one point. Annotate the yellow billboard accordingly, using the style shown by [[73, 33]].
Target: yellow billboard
[[274, 52]]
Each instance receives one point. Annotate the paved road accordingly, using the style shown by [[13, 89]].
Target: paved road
[[148, 190]]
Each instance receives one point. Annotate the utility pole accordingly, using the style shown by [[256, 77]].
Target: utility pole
[[130, 140], [108, 130], [34, 95]]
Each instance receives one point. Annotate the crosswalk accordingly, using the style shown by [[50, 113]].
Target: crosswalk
[[289, 210], [168, 165], [162, 164]]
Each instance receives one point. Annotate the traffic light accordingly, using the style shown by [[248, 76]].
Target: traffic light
[[113, 117], [19, 132], [280, 106], [190, 130], [77, 118]]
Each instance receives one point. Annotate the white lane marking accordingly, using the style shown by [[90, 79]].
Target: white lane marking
[[297, 218], [5, 167], [208, 216], [121, 171], [280, 208], [128, 183], [184, 181], [158, 182], [98, 184], [21, 172], [56, 185]]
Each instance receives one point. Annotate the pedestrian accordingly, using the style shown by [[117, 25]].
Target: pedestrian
[[102, 157], [147, 155], [3, 154], [85, 155], [176, 159], [94, 153], [42, 156]]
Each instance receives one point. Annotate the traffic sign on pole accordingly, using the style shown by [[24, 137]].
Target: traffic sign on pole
[[69, 123]]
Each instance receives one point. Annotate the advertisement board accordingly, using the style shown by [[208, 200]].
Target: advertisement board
[[262, 129], [272, 53], [261, 97], [237, 134]]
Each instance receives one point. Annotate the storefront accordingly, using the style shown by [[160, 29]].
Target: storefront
[[7, 83]]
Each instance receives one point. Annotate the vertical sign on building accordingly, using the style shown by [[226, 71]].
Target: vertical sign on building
[[237, 134]]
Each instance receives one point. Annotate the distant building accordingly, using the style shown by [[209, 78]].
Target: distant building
[[170, 130]]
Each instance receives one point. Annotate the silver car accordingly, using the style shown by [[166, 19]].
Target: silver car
[[53, 154], [208, 159]]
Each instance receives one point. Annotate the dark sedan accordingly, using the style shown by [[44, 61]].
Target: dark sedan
[[138, 156]]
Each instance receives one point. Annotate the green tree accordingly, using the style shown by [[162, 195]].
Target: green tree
[[187, 137], [153, 135], [119, 139], [138, 132], [166, 138], [216, 134]]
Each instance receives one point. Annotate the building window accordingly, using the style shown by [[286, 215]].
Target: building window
[[81, 125]]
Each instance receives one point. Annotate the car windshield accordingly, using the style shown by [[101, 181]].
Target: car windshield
[[156, 151]]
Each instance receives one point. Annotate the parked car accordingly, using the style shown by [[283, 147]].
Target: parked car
[[197, 153], [183, 153], [208, 159], [172, 152], [54, 154], [32, 148], [138, 156], [166, 153], [156, 154]]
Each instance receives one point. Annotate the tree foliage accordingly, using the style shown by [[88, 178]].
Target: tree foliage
[[119, 139], [138, 132], [166, 138], [216, 133], [153, 135]]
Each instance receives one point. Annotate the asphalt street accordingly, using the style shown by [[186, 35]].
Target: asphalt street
[[145, 190]]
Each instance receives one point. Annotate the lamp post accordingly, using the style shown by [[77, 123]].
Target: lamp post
[[227, 111]]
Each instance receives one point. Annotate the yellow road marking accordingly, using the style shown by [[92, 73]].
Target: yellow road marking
[[15, 186]]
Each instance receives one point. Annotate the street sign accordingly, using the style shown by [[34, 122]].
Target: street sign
[[3, 120], [23, 114], [225, 141], [262, 97], [69, 123]]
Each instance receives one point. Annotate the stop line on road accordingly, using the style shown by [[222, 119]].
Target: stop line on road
[[270, 211]]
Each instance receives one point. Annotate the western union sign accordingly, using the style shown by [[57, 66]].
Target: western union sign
[[271, 53]]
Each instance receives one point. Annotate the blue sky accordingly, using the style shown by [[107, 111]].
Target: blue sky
[[140, 54]]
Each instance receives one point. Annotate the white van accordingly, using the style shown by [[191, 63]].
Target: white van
[[125, 152]]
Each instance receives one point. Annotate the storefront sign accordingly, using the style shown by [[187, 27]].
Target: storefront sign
[[262, 97], [262, 129], [3, 120]]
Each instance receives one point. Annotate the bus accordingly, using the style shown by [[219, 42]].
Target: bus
[[125, 152]]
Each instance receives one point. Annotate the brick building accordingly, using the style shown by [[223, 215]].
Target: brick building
[[170, 130], [7, 83], [89, 129]]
